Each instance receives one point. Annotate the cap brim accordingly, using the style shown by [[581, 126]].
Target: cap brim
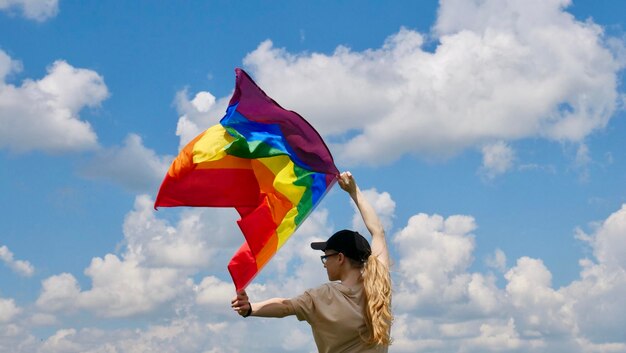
[[321, 245]]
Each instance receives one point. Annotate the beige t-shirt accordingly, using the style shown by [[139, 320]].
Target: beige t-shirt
[[335, 313]]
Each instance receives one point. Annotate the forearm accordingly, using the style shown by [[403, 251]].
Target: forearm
[[370, 218], [275, 307], [373, 224]]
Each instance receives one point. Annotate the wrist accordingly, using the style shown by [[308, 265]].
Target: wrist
[[249, 312]]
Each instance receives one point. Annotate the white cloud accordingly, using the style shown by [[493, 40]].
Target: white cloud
[[434, 255], [197, 114], [541, 310], [609, 240], [43, 319], [187, 334], [124, 288], [296, 340], [38, 10], [494, 338], [8, 66], [15, 338], [590, 347], [120, 288], [508, 70], [509, 14], [8, 310], [497, 159], [156, 266], [202, 238], [44, 114], [597, 297], [529, 314], [432, 278], [131, 165], [21, 267], [414, 334], [497, 260], [440, 305], [59, 292], [214, 292], [582, 161], [61, 342]]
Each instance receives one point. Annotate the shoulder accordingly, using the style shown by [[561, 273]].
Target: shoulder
[[307, 303], [323, 290], [324, 293]]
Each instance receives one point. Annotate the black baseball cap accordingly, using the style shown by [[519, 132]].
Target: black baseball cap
[[350, 243]]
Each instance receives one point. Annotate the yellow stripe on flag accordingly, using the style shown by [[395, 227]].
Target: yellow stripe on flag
[[285, 177], [210, 147]]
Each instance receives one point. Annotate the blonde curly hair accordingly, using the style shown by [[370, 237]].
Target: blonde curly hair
[[377, 287]]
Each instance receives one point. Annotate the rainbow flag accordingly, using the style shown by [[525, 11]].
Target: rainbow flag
[[266, 162]]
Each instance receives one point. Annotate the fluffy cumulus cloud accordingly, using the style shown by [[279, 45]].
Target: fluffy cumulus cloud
[[122, 287], [494, 338], [132, 165], [497, 260], [44, 114], [435, 253], [201, 238], [203, 320], [59, 292], [540, 310], [608, 240], [197, 313], [497, 159], [197, 113], [598, 294], [187, 334], [155, 268], [528, 314], [119, 289], [439, 303], [21, 267], [8, 310], [213, 292], [501, 71], [161, 273], [38, 10]]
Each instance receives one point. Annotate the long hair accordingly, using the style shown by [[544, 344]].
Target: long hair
[[377, 287]]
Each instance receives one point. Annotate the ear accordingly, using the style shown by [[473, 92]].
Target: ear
[[341, 258]]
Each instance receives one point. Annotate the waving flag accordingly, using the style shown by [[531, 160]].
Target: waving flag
[[266, 162]]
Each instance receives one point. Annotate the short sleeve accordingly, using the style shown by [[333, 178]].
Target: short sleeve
[[304, 305]]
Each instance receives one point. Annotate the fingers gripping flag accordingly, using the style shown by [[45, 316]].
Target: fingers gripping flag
[[267, 162]]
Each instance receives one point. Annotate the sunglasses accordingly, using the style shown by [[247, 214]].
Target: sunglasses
[[324, 257]]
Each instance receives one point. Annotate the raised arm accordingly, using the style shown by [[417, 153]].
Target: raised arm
[[372, 222]]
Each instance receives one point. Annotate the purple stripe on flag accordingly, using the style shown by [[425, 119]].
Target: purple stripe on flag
[[300, 135]]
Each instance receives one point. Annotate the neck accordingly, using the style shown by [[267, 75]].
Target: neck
[[351, 277]]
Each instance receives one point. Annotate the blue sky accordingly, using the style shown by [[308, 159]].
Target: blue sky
[[488, 134]]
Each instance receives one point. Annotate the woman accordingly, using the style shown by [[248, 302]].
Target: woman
[[354, 314]]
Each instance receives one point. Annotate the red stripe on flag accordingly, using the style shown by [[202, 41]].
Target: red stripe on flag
[[210, 187], [242, 267]]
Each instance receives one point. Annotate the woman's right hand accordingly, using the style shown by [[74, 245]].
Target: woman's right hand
[[347, 182], [240, 303]]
